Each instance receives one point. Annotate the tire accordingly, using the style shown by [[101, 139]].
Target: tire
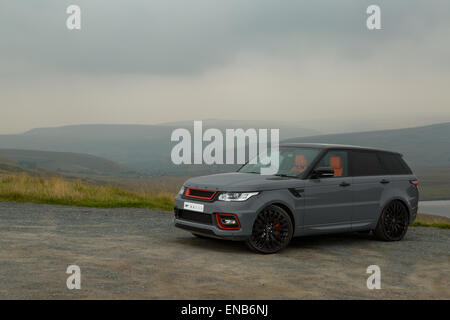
[[199, 236], [272, 230], [393, 222]]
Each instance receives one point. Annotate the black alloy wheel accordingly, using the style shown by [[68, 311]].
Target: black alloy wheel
[[272, 230], [393, 222]]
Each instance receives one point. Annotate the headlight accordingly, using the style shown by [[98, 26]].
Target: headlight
[[181, 190], [236, 196]]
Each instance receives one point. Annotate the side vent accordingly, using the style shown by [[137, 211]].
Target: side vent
[[297, 192]]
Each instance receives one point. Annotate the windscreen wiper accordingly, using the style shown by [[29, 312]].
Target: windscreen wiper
[[285, 175]]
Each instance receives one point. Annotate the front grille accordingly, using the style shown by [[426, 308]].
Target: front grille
[[194, 216], [200, 194]]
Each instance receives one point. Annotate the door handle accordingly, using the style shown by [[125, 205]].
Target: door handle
[[384, 181], [344, 184]]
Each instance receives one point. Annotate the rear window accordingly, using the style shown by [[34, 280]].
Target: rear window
[[394, 163], [366, 163]]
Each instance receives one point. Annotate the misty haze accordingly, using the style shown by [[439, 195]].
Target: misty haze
[[89, 100]]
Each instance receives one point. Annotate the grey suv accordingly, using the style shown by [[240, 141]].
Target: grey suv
[[318, 189]]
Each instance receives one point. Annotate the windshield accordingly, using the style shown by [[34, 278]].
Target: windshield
[[293, 161]]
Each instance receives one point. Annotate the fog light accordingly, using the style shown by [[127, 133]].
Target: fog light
[[228, 221]]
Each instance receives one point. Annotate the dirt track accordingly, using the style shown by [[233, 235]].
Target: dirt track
[[138, 254]]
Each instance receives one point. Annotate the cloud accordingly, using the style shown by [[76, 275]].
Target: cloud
[[150, 61], [178, 36]]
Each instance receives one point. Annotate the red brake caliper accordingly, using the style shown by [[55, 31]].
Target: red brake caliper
[[276, 226]]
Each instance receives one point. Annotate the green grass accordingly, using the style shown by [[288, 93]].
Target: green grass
[[435, 225], [429, 220], [56, 190]]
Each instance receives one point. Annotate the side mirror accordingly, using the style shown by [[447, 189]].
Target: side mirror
[[323, 172]]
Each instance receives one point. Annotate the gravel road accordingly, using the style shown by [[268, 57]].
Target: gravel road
[[138, 254]]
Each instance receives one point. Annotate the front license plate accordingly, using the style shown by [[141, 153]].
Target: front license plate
[[193, 206]]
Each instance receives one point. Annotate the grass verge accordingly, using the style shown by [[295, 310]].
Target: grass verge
[[56, 190], [435, 225], [429, 220]]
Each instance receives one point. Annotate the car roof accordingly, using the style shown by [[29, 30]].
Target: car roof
[[332, 146]]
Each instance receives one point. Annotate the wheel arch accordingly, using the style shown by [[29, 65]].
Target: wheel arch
[[283, 206], [402, 201]]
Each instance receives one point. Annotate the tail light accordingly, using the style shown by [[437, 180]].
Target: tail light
[[414, 182]]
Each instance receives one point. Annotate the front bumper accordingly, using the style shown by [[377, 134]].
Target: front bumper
[[245, 211]]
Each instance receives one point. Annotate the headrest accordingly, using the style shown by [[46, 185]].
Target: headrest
[[300, 160], [335, 162]]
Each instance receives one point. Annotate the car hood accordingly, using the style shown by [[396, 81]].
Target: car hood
[[240, 182]]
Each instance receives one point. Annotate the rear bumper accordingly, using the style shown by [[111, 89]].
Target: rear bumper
[[413, 214]]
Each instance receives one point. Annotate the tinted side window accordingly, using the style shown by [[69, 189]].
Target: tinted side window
[[394, 163], [337, 160], [366, 163]]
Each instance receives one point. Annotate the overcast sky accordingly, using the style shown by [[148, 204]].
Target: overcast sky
[[167, 60]]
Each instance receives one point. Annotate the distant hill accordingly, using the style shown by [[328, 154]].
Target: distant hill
[[287, 129], [427, 146], [7, 166], [146, 148], [141, 147], [65, 163]]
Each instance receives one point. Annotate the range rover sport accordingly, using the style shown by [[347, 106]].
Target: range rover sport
[[318, 189]]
